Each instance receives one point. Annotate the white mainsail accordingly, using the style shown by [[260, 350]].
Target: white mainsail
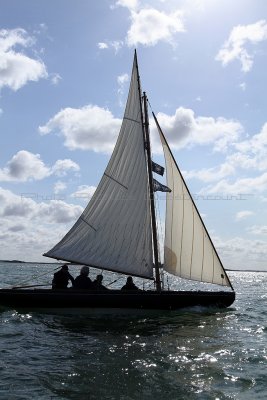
[[188, 249], [114, 231]]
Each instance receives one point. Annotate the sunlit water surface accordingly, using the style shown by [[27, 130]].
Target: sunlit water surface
[[188, 354]]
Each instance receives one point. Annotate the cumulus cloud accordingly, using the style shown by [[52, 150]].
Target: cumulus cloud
[[241, 253], [102, 45], [16, 68], [240, 215], [248, 156], [55, 78], [84, 192], [95, 128], [25, 166], [61, 167], [116, 45], [252, 153], [149, 26], [235, 47], [211, 174], [58, 211], [30, 228], [89, 128], [185, 129], [130, 4], [53, 211], [122, 80], [258, 229], [248, 185], [59, 187]]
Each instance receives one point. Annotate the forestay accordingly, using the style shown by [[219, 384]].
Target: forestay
[[114, 231], [188, 250]]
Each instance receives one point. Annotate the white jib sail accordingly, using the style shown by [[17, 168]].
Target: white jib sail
[[114, 231], [188, 249]]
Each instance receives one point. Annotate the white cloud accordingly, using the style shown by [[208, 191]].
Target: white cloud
[[130, 4], [61, 167], [243, 214], [251, 153], [122, 80], [243, 86], [84, 192], [102, 45], [115, 44], [14, 206], [59, 187], [25, 166], [241, 253], [149, 26], [235, 46], [258, 229], [30, 228], [88, 128], [249, 185], [211, 174], [184, 129], [16, 68], [95, 128], [57, 211], [55, 78], [251, 157]]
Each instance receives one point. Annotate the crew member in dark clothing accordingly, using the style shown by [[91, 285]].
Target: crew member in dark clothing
[[130, 285], [62, 278], [83, 281], [97, 284]]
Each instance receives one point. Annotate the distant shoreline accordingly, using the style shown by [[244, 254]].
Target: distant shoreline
[[56, 262], [28, 262]]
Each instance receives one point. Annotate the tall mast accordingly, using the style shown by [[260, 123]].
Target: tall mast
[[150, 178], [152, 200]]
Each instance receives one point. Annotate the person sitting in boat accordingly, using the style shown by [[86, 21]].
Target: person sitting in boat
[[97, 283], [83, 281], [130, 285], [62, 278]]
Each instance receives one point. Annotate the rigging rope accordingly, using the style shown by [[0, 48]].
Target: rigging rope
[[36, 277]]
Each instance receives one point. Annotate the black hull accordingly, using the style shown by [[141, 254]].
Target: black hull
[[149, 300]]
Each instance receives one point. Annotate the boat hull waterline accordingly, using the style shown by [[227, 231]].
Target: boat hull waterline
[[150, 300]]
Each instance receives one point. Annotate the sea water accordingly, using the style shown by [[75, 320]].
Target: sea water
[[196, 353]]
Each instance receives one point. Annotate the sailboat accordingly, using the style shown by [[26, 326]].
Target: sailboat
[[117, 230]]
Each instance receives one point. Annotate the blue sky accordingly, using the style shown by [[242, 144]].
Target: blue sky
[[64, 76]]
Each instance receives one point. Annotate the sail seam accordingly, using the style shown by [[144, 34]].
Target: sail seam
[[133, 120], [84, 220], [115, 180]]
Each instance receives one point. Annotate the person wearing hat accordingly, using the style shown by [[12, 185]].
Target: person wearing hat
[[62, 278], [83, 281]]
